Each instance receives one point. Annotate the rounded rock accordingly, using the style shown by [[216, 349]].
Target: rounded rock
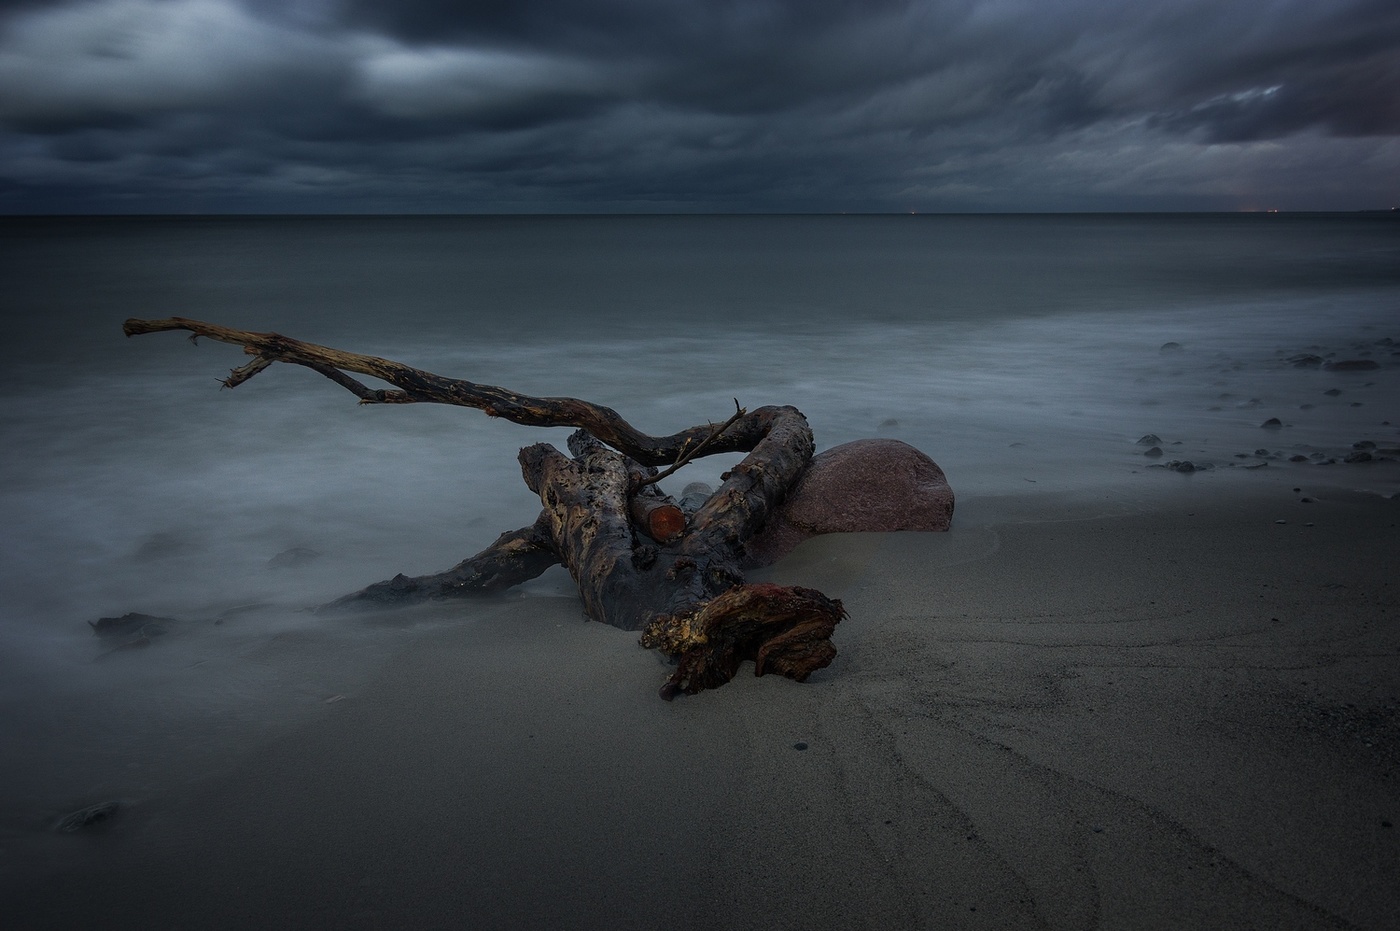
[[867, 486]]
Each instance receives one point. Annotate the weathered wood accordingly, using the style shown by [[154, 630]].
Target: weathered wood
[[657, 517], [782, 629], [417, 386], [516, 556], [680, 581]]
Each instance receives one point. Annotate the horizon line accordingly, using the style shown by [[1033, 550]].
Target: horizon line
[[678, 214]]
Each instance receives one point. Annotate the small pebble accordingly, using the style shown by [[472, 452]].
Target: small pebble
[[1280, 521], [799, 746]]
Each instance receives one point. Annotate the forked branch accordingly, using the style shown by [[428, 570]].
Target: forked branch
[[413, 385], [692, 452]]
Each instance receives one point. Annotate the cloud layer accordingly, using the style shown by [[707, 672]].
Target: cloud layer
[[767, 105]]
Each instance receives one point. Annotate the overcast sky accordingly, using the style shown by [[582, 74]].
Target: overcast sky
[[697, 106]]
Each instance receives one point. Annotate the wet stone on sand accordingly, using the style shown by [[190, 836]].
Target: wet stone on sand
[[88, 817]]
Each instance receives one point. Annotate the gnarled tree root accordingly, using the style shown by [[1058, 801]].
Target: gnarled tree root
[[782, 629], [516, 556], [683, 585]]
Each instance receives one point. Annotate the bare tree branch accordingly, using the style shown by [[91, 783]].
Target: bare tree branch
[[418, 386], [689, 453]]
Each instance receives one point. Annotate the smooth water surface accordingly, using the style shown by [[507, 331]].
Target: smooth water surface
[[1025, 354]]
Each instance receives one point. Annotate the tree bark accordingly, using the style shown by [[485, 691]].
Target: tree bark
[[682, 587], [516, 556]]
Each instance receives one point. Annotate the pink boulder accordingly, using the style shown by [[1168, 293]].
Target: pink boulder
[[864, 486]]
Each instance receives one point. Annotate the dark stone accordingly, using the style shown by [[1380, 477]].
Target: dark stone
[[1170, 347], [873, 485], [129, 624], [1273, 423], [1153, 453], [87, 817], [1306, 360], [1179, 465], [1359, 456], [1363, 444], [290, 559], [1332, 392], [159, 546], [1150, 439], [1352, 365], [694, 495]]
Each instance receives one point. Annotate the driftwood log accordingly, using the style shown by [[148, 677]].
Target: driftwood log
[[640, 560]]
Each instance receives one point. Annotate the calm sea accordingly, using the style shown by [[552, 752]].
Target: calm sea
[[1024, 353]]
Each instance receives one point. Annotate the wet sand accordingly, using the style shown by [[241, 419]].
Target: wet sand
[[1050, 717]]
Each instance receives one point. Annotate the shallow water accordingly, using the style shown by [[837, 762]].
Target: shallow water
[[1025, 354]]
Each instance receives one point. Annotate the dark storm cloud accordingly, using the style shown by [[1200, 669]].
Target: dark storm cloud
[[633, 105], [1335, 68]]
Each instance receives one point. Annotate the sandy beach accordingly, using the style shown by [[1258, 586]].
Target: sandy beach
[[1179, 714]]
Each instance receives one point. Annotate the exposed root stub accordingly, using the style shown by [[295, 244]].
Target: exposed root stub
[[783, 629]]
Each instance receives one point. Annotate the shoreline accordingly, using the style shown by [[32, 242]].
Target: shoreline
[[1178, 713]]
